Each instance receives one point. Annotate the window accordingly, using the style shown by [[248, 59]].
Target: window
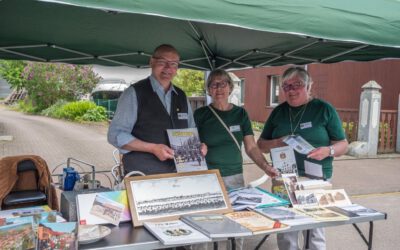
[[242, 87], [274, 90]]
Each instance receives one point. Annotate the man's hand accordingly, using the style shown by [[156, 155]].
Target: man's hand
[[163, 152]]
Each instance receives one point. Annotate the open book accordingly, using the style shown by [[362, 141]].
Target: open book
[[186, 145]]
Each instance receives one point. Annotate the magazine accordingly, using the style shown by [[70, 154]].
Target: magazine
[[359, 210], [252, 197], [322, 214], [26, 211], [175, 232], [17, 233], [299, 144], [256, 222], [215, 225], [58, 236], [322, 198], [290, 182], [286, 215], [187, 154], [283, 160]]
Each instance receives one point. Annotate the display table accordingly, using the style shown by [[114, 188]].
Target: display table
[[127, 237]]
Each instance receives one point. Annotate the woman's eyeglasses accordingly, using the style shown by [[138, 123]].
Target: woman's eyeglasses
[[294, 86], [215, 85], [164, 63]]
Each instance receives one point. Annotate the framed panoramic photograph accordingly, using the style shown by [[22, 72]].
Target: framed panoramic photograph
[[164, 197]]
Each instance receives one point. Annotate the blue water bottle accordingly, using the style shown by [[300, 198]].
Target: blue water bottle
[[65, 170], [70, 178]]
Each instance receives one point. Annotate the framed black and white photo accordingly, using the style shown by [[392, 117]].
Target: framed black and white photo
[[168, 196]]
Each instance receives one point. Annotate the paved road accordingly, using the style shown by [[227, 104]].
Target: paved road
[[370, 182], [54, 140]]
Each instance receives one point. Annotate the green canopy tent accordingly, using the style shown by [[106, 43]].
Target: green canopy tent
[[208, 33]]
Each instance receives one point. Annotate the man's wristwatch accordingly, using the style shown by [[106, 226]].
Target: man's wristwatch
[[331, 151]]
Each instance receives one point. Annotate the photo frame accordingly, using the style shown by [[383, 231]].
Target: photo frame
[[165, 197]]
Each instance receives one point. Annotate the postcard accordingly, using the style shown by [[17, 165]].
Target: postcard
[[107, 209]]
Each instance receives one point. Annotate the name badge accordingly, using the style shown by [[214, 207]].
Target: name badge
[[305, 125], [182, 116], [234, 128]]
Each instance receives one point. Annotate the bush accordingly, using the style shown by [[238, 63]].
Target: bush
[[96, 114], [27, 106], [76, 111], [257, 126], [54, 110]]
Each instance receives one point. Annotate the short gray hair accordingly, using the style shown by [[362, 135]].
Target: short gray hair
[[297, 71], [222, 73]]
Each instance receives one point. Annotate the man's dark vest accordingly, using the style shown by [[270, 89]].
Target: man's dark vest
[[152, 123]]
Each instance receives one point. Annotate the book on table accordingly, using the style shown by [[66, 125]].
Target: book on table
[[256, 222], [187, 149], [175, 232], [216, 225], [322, 198], [252, 197], [17, 233], [322, 214], [58, 236], [283, 160], [289, 216], [359, 210]]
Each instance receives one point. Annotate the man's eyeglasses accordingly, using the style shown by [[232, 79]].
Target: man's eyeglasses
[[215, 85], [164, 63], [294, 86]]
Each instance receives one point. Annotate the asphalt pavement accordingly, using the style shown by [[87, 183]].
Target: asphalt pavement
[[370, 182]]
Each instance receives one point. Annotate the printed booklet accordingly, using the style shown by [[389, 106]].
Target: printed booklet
[[58, 236], [175, 232], [283, 160], [256, 222], [215, 225], [299, 144], [252, 197], [286, 215], [187, 154], [17, 233]]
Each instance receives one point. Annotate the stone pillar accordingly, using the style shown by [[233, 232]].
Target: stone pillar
[[398, 128], [369, 113]]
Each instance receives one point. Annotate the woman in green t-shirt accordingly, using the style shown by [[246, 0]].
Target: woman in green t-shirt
[[318, 123], [224, 127]]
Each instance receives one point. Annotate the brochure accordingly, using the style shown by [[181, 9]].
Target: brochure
[[175, 232], [58, 236], [26, 211], [290, 182], [321, 198], [250, 197], [17, 233], [322, 214], [187, 154], [360, 210], [256, 222], [286, 215], [216, 225], [283, 160], [299, 144]]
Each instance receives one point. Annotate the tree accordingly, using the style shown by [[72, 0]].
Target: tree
[[190, 81], [12, 72], [47, 83]]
